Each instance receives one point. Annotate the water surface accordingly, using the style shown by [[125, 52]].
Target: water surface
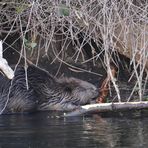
[[43, 130]]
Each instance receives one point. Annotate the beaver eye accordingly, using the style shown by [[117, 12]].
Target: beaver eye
[[68, 89]]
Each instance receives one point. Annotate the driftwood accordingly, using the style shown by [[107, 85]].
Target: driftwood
[[107, 107], [4, 64]]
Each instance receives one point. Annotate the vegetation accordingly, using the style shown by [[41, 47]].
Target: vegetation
[[61, 29]]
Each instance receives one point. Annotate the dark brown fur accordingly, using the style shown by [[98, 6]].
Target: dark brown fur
[[44, 92]]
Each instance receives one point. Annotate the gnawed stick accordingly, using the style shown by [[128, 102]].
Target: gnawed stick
[[106, 107], [4, 64]]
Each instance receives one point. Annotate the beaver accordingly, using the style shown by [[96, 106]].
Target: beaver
[[36, 90]]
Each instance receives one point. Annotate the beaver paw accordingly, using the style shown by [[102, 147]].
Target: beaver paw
[[100, 100], [71, 107]]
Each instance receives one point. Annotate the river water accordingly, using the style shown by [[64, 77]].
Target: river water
[[44, 130]]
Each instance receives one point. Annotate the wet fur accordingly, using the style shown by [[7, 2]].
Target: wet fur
[[44, 92]]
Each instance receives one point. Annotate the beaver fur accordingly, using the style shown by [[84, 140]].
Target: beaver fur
[[36, 90]]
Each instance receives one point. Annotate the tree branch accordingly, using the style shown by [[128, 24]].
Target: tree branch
[[4, 64]]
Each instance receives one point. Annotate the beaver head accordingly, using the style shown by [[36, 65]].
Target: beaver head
[[67, 94], [81, 90]]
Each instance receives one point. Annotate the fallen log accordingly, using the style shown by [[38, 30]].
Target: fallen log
[[107, 107]]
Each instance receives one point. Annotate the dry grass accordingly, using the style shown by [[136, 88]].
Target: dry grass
[[121, 24]]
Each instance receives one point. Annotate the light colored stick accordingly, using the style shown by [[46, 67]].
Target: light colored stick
[[4, 64], [106, 107], [1, 49]]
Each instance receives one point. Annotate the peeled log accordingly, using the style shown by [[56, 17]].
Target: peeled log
[[107, 107]]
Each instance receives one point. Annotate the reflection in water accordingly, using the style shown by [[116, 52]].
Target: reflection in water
[[101, 131], [42, 131]]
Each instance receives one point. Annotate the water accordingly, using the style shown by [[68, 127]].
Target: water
[[42, 130]]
